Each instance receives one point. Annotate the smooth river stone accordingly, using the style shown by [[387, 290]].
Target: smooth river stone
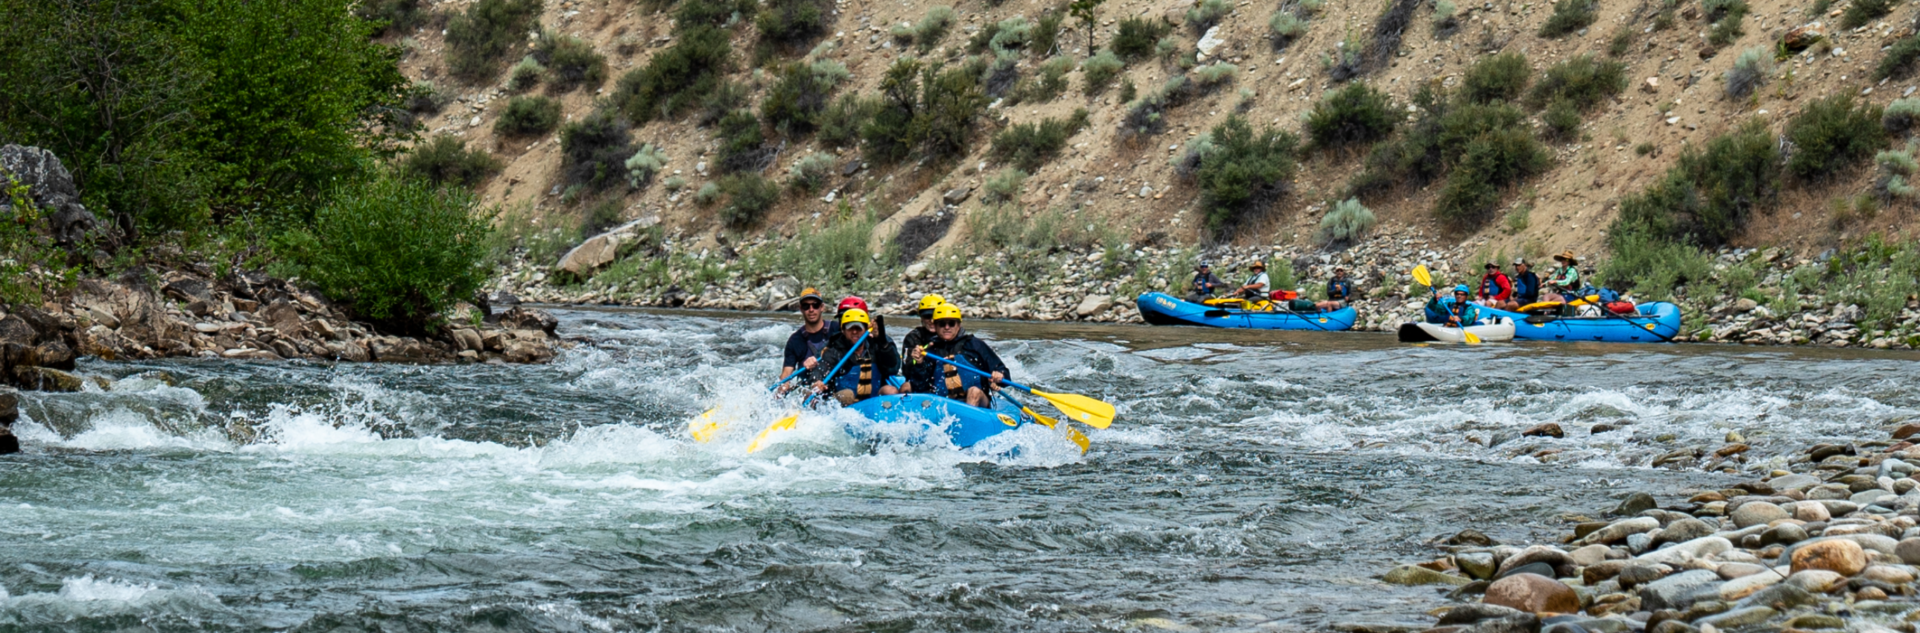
[[1736, 618], [1829, 491], [1533, 593], [1839, 555], [1793, 482], [1477, 565], [1731, 571], [1746, 585], [1474, 612], [1535, 554], [1589, 555], [1811, 511], [1682, 531], [1908, 550], [1816, 580], [1672, 592], [1757, 513], [1785, 534], [1890, 574], [1865, 497], [1697, 548], [1417, 575], [1622, 529]]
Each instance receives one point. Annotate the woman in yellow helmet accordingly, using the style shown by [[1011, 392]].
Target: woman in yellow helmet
[[918, 372], [868, 366], [952, 342]]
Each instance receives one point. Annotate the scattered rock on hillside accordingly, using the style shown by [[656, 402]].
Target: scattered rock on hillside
[[51, 188]]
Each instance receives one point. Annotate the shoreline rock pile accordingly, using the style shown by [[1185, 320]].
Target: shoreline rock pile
[[1832, 542]]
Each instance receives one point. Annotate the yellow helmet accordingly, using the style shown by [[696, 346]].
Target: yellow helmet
[[856, 315], [930, 302], [946, 311]]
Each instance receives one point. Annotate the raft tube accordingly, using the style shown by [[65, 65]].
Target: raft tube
[[1160, 308], [1655, 322], [965, 424], [1499, 331]]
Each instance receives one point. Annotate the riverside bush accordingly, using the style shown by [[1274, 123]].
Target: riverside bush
[[1727, 17], [928, 108], [1861, 12], [644, 164], [525, 74], [791, 24], [1249, 171], [1004, 186], [1346, 222], [1492, 161], [1898, 62], [445, 160], [1709, 194], [1501, 77], [740, 142], [840, 122], [836, 251], [1356, 113], [1285, 27], [394, 16], [1901, 115], [933, 27], [811, 172], [1433, 143], [528, 116], [1138, 37], [1211, 77], [1582, 81], [691, 15], [1831, 134], [1568, 16], [394, 251], [1047, 84], [1046, 32], [571, 62], [1653, 267], [1207, 13], [1751, 70], [794, 103], [1562, 120], [1895, 179], [1027, 146], [487, 33], [594, 151], [749, 197], [1099, 71], [676, 78]]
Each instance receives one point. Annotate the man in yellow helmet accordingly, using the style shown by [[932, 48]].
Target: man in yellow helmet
[[868, 365], [950, 341], [918, 372]]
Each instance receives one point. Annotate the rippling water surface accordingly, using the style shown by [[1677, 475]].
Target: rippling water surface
[[1255, 481]]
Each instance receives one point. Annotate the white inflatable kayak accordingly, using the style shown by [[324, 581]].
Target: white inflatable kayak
[[1494, 330]]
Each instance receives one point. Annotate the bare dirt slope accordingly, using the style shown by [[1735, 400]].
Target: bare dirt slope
[[1572, 203]]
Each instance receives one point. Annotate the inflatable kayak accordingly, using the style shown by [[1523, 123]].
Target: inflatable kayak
[[965, 424], [1160, 308], [1499, 330], [1654, 322]]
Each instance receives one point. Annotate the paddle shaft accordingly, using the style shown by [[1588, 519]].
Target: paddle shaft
[[828, 379], [1611, 313], [983, 374]]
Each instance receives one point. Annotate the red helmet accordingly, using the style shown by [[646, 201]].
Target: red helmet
[[853, 302]]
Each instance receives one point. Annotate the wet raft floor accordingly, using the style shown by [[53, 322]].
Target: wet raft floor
[[1257, 481]]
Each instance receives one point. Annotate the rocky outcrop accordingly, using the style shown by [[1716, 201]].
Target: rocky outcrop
[[50, 187], [598, 251]]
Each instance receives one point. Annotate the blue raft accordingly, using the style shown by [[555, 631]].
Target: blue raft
[[1160, 308], [965, 424], [1657, 322]]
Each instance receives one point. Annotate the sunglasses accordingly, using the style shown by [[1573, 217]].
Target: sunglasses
[[809, 305], [947, 323]]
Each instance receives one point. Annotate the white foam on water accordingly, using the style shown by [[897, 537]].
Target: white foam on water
[[88, 597]]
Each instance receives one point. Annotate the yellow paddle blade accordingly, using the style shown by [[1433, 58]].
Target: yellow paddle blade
[[1081, 409], [1079, 439], [781, 424], [1471, 339], [703, 427], [1421, 275]]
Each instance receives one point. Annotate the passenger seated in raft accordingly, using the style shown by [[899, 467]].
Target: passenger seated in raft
[[868, 368], [1495, 289], [955, 343], [1256, 287], [1461, 312], [1563, 279], [919, 372], [1526, 285], [1204, 284], [1339, 292]]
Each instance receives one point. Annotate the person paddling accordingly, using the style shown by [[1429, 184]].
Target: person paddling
[[1256, 287], [1204, 284], [918, 371], [955, 343], [804, 345], [867, 367], [1459, 313]]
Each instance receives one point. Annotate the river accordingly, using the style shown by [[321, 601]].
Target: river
[[1254, 481]]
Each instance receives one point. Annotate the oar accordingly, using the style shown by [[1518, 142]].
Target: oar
[[1595, 300], [1425, 278], [1078, 408], [704, 431], [785, 423], [1079, 439]]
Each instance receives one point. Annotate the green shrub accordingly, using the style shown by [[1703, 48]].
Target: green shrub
[[1492, 161], [741, 142], [1099, 71], [1210, 77], [1248, 171], [1653, 267], [707, 194], [594, 151], [571, 62], [1047, 84], [933, 27], [1138, 37], [644, 164], [1357, 113], [749, 196], [1568, 16], [794, 104], [1345, 62], [1127, 90], [525, 74], [791, 24], [424, 98], [1707, 197], [1285, 27], [1433, 143], [812, 171], [1207, 13], [1046, 32], [836, 252], [840, 122], [1895, 179], [1346, 222], [1860, 12], [1751, 70], [1194, 154], [1010, 34], [528, 116], [1004, 186], [723, 100], [394, 251], [1446, 19], [601, 216], [676, 78], [1030, 145], [1582, 81], [1622, 42], [1310, 7], [1726, 16], [1898, 62], [394, 16], [690, 15], [929, 108], [1901, 115], [1832, 134], [487, 33], [1501, 77], [445, 160], [1562, 120]]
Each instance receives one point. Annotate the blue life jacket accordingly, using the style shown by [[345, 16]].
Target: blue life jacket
[[1339, 289], [859, 377]]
